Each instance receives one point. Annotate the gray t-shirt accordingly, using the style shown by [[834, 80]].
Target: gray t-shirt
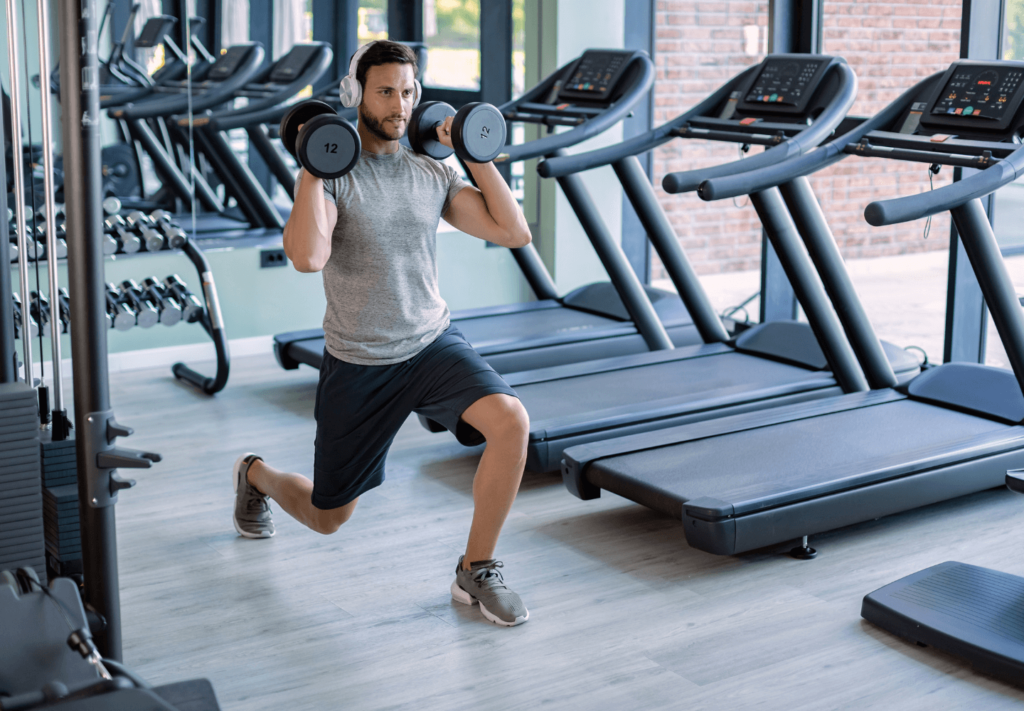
[[383, 303]]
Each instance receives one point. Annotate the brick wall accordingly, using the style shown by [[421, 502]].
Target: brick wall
[[890, 45]]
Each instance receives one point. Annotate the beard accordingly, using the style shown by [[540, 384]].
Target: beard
[[385, 132]]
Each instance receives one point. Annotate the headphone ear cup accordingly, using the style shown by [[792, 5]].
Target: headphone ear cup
[[350, 92], [419, 93]]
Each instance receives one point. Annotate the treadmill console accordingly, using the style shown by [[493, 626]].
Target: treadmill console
[[154, 31], [594, 75], [977, 96], [785, 84], [228, 63], [291, 65]]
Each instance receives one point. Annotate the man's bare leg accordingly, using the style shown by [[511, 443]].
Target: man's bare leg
[[502, 419], [292, 492]]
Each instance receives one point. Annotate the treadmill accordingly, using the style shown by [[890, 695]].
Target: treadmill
[[763, 478], [232, 70], [594, 321], [271, 89], [768, 365]]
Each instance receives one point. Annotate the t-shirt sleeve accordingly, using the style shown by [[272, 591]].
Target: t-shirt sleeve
[[455, 185], [329, 188]]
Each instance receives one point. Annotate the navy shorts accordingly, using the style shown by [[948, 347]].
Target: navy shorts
[[360, 408]]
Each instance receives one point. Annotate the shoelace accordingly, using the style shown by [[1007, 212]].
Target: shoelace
[[257, 502], [489, 575]]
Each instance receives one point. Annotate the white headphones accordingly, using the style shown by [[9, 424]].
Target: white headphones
[[351, 91]]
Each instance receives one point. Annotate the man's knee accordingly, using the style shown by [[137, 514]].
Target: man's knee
[[508, 421], [328, 521]]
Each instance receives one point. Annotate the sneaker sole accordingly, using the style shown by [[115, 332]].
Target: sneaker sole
[[460, 595], [236, 476]]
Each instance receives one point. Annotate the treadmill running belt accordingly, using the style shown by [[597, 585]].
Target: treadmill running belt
[[718, 375], [557, 323], [840, 451]]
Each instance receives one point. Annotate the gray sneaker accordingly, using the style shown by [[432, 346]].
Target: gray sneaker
[[252, 509], [483, 583]]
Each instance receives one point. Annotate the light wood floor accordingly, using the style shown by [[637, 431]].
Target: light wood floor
[[623, 614]]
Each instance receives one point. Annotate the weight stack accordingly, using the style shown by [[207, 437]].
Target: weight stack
[[21, 501], [60, 509]]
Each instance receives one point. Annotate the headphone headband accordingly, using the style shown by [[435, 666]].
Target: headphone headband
[[351, 91]]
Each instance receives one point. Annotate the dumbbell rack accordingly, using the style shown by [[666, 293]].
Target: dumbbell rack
[[132, 304]]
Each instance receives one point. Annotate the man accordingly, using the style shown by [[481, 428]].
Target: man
[[391, 348]]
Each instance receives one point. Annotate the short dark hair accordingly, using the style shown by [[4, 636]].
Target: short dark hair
[[385, 52]]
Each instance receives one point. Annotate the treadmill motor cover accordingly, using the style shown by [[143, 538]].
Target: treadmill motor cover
[[975, 388]]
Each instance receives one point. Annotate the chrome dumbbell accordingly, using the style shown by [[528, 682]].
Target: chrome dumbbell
[[64, 309], [170, 309], [118, 238], [119, 314], [23, 319], [175, 235], [146, 312], [191, 306], [39, 308], [141, 224]]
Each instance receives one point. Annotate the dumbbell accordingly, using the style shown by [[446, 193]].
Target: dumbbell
[[478, 131], [191, 306], [175, 235], [39, 307], [327, 146], [14, 248], [170, 311], [111, 205], [120, 314], [64, 308], [146, 312], [117, 236], [142, 224], [62, 246], [22, 317]]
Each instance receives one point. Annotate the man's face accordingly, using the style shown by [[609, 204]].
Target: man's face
[[387, 100]]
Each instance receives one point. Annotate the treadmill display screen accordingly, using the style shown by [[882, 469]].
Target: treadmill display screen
[[982, 93], [228, 63], [783, 82], [595, 75]]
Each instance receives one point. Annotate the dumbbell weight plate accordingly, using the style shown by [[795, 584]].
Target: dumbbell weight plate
[[423, 129], [299, 115], [478, 132], [328, 146]]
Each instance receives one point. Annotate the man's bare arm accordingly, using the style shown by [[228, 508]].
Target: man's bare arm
[[488, 211], [307, 234]]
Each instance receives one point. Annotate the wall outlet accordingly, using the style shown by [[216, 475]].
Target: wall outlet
[[272, 258]]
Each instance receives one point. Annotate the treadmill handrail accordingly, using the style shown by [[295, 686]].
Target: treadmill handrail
[[175, 69], [217, 94], [588, 129], [564, 165], [314, 70], [914, 207], [805, 140], [756, 180]]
